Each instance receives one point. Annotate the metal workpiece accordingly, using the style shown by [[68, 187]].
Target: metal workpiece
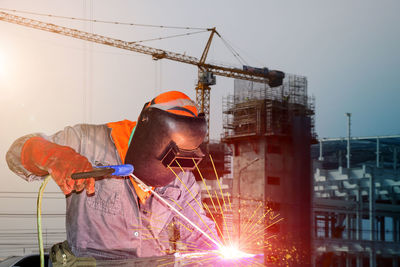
[[209, 258]]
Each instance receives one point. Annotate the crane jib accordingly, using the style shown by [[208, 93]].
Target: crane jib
[[156, 53], [272, 78]]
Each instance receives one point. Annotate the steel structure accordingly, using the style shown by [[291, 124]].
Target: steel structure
[[356, 210], [206, 71]]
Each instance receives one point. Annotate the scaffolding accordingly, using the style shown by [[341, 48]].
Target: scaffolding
[[269, 130], [256, 109]]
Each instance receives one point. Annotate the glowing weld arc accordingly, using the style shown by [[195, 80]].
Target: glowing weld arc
[[175, 210]]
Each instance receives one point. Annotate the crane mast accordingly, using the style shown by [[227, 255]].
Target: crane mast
[[206, 72]]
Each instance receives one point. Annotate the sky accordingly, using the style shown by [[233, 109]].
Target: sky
[[348, 50]]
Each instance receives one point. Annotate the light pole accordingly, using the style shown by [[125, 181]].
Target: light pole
[[348, 138], [240, 175]]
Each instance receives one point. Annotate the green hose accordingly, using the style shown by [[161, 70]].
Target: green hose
[[39, 218]]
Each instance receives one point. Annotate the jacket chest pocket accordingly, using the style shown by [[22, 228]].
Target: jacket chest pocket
[[107, 197]]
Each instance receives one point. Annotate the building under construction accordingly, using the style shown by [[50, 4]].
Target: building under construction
[[356, 201], [270, 131]]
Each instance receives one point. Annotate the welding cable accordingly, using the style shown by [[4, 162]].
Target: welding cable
[[39, 218]]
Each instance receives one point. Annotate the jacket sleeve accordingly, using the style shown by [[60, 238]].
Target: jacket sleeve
[[70, 136], [190, 236]]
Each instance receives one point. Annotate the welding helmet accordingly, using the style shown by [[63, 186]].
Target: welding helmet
[[168, 134]]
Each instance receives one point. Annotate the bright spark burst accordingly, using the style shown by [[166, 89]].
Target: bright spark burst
[[255, 235], [232, 252]]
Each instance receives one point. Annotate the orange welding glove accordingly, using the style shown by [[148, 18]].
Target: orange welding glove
[[42, 157]]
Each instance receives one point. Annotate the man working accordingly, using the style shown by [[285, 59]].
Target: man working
[[116, 218]]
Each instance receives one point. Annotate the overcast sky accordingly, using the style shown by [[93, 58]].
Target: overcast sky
[[349, 51]]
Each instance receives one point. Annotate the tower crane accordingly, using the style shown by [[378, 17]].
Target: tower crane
[[206, 72]]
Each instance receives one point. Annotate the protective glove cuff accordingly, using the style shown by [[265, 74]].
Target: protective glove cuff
[[30, 153]]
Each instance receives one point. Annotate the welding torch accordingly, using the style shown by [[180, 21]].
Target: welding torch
[[104, 171]]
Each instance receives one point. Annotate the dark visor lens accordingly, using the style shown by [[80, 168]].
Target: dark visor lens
[[179, 158]]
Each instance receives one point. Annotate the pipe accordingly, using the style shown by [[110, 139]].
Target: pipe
[[39, 218]]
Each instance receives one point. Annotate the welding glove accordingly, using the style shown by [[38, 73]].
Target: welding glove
[[42, 157]]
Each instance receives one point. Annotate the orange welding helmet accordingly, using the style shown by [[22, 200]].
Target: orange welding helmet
[[168, 134], [174, 102]]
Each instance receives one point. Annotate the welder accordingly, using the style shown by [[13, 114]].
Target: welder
[[114, 218]]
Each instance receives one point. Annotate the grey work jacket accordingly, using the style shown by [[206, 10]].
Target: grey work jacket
[[111, 224]]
